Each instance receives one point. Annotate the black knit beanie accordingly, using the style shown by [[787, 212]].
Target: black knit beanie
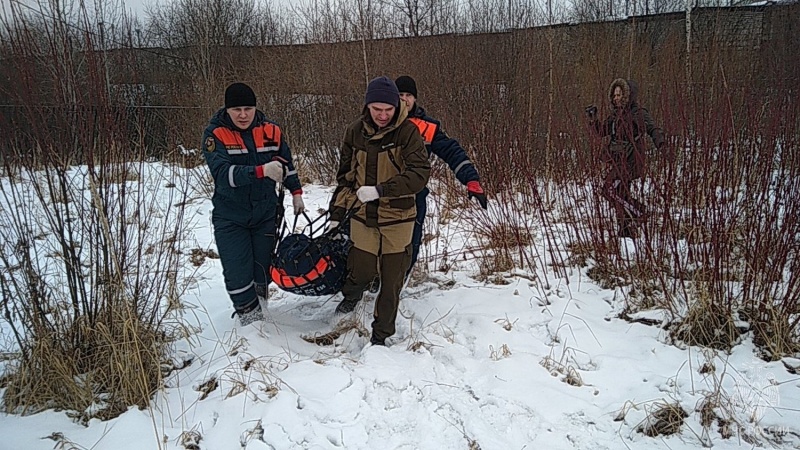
[[382, 90], [406, 84], [239, 94]]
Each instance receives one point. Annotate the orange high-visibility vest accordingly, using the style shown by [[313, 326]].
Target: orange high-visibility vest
[[267, 138]]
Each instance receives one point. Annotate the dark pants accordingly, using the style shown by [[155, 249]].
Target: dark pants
[[362, 268], [617, 190], [419, 222], [245, 250]]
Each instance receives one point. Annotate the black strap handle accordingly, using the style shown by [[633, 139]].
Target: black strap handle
[[347, 216]]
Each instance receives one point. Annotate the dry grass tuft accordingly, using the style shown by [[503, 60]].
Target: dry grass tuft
[[190, 440], [62, 442], [507, 324], [498, 354], [339, 330], [569, 374], [419, 274], [772, 333], [707, 408], [198, 256], [579, 254], [607, 276], [417, 345], [492, 264], [707, 324], [472, 444], [505, 236], [503, 244], [256, 433], [644, 295], [629, 405], [666, 419], [207, 387], [88, 370], [709, 416]]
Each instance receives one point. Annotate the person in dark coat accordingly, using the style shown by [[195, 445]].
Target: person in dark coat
[[626, 127], [247, 155], [438, 143], [382, 166]]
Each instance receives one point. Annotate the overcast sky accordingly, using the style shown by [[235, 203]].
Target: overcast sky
[[135, 6]]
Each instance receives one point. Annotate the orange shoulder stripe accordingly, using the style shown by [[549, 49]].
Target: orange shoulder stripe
[[228, 137], [426, 129]]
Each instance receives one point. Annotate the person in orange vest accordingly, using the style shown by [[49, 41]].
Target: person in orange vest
[[247, 156], [438, 143]]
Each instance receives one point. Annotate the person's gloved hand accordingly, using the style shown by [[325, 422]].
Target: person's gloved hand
[[273, 170], [367, 194], [474, 190], [297, 203], [591, 112], [331, 225]]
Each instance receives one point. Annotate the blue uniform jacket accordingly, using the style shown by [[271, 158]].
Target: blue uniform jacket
[[440, 144], [233, 156]]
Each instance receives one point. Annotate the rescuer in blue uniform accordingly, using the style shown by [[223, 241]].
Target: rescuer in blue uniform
[[247, 155]]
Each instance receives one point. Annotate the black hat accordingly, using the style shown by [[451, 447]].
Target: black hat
[[406, 84], [382, 90], [239, 94]]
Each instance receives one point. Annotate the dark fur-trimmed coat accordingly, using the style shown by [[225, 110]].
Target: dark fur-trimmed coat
[[626, 127]]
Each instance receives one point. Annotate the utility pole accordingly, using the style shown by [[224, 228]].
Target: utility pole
[[689, 45], [105, 59]]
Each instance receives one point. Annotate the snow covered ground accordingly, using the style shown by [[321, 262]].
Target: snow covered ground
[[473, 365]]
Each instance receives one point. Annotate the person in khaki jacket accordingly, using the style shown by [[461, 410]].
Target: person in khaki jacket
[[383, 165]]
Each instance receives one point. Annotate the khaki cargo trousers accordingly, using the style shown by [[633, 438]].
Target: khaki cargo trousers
[[385, 252]]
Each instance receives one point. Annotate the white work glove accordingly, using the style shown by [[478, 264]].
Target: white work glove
[[331, 225], [297, 203], [273, 170], [367, 194]]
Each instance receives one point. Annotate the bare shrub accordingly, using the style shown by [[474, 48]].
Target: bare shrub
[[88, 301]]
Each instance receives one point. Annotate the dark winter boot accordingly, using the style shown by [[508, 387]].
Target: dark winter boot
[[249, 314], [375, 341], [346, 306]]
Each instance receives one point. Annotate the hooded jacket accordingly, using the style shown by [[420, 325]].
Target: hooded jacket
[[393, 159], [626, 127]]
